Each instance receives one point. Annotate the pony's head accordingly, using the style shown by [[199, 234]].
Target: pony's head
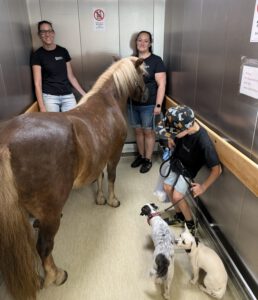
[[128, 78]]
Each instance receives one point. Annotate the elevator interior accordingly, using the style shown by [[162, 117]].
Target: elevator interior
[[202, 43]]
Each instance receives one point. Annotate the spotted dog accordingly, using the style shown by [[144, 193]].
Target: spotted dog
[[163, 239]]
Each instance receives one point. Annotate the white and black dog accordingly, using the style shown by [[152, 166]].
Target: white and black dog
[[163, 239], [205, 258]]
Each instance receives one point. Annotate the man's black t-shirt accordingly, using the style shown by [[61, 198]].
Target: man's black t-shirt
[[154, 64], [195, 151], [53, 70]]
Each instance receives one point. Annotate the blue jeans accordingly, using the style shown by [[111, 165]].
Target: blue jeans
[[59, 103], [141, 116]]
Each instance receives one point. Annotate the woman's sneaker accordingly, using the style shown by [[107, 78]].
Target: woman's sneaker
[[138, 161], [146, 166]]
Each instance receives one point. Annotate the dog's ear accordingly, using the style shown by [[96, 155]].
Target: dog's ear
[[116, 58], [145, 211], [186, 228], [154, 206]]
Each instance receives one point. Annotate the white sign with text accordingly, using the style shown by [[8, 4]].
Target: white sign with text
[[249, 82]]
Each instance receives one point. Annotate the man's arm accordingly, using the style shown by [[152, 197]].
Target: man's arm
[[198, 189]]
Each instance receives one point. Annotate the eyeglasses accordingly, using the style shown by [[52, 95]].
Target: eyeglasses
[[44, 32]]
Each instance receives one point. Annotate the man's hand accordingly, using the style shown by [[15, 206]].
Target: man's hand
[[197, 189], [171, 143]]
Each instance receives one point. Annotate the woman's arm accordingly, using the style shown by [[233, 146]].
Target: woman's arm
[[161, 82], [74, 82], [36, 70]]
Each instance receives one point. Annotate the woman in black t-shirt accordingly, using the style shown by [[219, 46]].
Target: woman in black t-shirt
[[52, 73], [141, 115]]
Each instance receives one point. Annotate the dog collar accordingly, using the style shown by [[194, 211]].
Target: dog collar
[[150, 216]]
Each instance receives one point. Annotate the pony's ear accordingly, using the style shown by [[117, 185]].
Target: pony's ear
[[116, 58], [138, 62]]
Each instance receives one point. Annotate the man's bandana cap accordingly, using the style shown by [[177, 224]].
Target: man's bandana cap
[[179, 118]]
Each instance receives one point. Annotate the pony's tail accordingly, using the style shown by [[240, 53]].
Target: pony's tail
[[18, 255], [162, 265]]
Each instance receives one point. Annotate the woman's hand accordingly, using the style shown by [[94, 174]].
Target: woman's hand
[[157, 110]]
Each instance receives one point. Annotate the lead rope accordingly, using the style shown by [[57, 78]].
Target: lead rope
[[186, 179], [189, 181]]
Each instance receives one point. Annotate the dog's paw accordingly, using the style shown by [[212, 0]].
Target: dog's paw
[[193, 281], [153, 273], [158, 280], [166, 296]]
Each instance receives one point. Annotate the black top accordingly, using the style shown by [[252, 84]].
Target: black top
[[154, 64], [195, 151], [53, 70]]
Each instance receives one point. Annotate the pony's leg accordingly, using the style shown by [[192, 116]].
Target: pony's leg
[[52, 273], [45, 245], [100, 196], [111, 170]]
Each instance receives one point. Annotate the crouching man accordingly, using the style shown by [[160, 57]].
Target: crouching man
[[192, 149]]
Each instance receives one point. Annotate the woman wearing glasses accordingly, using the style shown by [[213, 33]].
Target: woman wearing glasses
[[52, 73]]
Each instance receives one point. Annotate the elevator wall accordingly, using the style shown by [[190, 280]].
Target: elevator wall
[[203, 45], [92, 49], [15, 75]]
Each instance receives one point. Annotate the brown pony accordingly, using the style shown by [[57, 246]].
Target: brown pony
[[43, 156]]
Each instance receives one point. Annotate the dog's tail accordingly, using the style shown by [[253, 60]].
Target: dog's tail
[[162, 265]]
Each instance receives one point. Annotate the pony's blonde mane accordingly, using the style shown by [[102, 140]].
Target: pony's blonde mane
[[125, 77]]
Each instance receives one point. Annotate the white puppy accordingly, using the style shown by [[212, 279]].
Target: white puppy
[[163, 239], [203, 257]]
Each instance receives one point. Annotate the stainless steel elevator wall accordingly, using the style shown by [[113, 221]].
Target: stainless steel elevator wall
[[92, 50], [203, 45], [15, 49]]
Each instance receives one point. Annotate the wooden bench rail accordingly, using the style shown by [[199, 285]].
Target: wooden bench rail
[[34, 107], [235, 161]]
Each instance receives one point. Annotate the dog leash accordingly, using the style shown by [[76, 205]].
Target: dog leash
[[189, 181]]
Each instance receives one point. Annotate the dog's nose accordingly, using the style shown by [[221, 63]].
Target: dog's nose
[[176, 241]]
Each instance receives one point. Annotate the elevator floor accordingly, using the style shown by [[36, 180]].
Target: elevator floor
[[107, 252]]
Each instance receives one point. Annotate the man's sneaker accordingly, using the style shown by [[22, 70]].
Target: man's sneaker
[[138, 161], [175, 221], [146, 166], [193, 229]]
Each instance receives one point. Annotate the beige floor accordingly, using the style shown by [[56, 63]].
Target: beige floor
[[107, 252]]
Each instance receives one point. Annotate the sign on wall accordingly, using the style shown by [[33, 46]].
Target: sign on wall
[[99, 19], [254, 33], [249, 81]]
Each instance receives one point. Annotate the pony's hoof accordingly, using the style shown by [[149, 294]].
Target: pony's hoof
[[101, 200], [114, 203], [61, 278], [40, 282]]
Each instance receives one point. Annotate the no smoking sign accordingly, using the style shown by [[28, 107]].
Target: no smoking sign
[[99, 15]]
